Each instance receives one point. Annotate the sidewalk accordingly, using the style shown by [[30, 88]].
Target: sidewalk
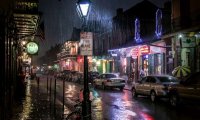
[[36, 105]]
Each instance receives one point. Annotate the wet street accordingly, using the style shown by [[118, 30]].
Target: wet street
[[113, 104], [110, 104]]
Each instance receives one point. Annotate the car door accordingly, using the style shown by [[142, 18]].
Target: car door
[[147, 85], [140, 86], [155, 85], [191, 89]]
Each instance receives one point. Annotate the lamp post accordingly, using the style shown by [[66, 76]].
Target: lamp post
[[83, 7]]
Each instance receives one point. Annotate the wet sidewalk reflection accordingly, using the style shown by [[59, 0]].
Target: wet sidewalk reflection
[[36, 104]]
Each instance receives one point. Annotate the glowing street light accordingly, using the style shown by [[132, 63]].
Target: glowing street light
[[23, 43], [83, 7]]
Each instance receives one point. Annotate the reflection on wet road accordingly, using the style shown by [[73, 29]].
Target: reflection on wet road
[[106, 105], [71, 91], [27, 104], [119, 105], [116, 105]]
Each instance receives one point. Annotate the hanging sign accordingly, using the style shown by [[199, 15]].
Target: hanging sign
[[188, 41], [32, 48], [26, 6], [86, 43]]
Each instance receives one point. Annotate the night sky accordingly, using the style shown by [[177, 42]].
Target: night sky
[[60, 17]]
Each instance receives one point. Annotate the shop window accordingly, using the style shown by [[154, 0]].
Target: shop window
[[158, 64], [145, 64]]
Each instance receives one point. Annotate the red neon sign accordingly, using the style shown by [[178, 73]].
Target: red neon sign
[[144, 49], [134, 53]]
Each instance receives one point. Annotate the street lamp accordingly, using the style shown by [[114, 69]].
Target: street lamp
[[83, 7]]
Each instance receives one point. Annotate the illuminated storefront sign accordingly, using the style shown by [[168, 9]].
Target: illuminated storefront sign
[[144, 49], [158, 48], [31, 6], [188, 41], [134, 53], [32, 48]]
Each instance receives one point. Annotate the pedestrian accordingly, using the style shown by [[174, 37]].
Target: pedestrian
[[142, 73]]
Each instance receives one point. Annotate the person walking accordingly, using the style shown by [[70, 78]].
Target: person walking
[[142, 73]]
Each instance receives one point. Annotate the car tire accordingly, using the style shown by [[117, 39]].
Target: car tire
[[153, 96], [134, 94], [121, 88], [173, 99]]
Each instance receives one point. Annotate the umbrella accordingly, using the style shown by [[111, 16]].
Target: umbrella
[[181, 71]]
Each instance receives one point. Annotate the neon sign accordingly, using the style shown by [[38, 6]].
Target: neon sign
[[144, 49], [134, 53], [137, 31], [158, 23]]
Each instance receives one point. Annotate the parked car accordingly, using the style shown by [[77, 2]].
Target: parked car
[[92, 75], [80, 78], [74, 76], [154, 86], [188, 89], [111, 80], [58, 75], [64, 74]]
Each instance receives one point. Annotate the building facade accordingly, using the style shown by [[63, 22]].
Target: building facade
[[184, 36], [137, 42], [19, 20], [68, 58]]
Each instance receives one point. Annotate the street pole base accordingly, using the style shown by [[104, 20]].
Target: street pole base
[[86, 110]]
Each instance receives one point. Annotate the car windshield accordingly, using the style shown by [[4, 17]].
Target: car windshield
[[167, 79], [111, 76], [94, 73]]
